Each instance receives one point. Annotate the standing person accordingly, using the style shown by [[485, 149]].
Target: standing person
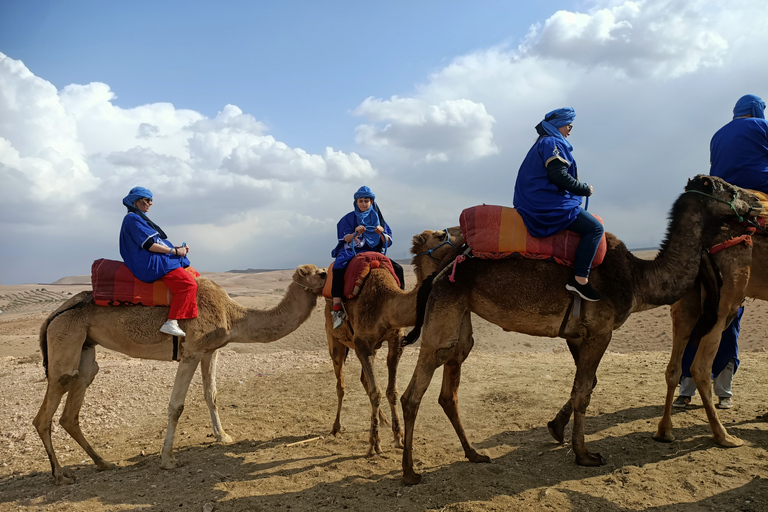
[[149, 255], [361, 230], [738, 153], [548, 196]]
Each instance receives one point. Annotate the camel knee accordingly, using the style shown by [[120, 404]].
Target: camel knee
[[175, 413]]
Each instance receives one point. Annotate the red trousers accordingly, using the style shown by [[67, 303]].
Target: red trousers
[[184, 289]]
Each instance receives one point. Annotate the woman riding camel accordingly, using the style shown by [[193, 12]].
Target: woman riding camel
[[150, 256], [548, 196]]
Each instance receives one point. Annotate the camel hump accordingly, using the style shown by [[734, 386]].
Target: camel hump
[[494, 232]]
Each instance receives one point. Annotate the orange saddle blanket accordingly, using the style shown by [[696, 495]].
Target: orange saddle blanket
[[495, 232], [357, 271], [115, 285]]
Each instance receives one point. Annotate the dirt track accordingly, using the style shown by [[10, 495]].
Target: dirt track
[[271, 396]]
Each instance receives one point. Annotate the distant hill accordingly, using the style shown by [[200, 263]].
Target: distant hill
[[254, 270]]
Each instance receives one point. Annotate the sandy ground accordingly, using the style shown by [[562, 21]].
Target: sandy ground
[[273, 395]]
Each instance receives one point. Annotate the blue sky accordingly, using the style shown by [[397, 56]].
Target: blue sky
[[253, 122]]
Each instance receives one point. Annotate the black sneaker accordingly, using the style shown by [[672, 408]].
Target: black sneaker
[[585, 291]]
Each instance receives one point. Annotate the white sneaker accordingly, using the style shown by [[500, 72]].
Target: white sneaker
[[172, 327], [338, 318]]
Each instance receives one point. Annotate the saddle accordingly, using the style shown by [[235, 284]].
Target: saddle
[[357, 271], [495, 232], [115, 285]]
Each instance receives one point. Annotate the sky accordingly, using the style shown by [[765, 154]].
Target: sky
[[253, 123]]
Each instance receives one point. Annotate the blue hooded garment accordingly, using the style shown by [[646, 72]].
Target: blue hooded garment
[[371, 241], [545, 208]]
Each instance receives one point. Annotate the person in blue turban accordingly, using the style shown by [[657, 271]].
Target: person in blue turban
[[361, 230], [738, 153], [149, 255], [548, 196]]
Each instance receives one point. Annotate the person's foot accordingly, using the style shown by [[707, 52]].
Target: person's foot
[[585, 291], [338, 318], [172, 327], [682, 402], [725, 403]]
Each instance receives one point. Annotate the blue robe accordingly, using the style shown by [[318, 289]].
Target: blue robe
[[739, 153], [343, 252], [545, 208], [146, 265]]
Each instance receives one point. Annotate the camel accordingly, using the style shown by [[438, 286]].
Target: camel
[[529, 296], [69, 336], [744, 274], [376, 315]]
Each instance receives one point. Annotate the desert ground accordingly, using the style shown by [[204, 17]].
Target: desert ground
[[274, 396]]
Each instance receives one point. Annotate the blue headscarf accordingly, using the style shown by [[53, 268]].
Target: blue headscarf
[[134, 195], [369, 218], [749, 105], [554, 120]]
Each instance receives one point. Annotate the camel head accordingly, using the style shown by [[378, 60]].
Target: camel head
[[730, 200], [310, 277], [436, 244]]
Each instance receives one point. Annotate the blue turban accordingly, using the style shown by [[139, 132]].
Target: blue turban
[[554, 120], [364, 192], [134, 195], [749, 105]]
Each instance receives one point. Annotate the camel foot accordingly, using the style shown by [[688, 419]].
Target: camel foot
[[226, 439], [556, 431], [730, 441], [410, 477], [336, 430], [664, 437], [591, 459], [169, 464], [399, 442], [374, 451], [473, 456], [63, 478], [103, 465]]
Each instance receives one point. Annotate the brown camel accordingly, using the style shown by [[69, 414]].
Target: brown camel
[[69, 336], [529, 296], [376, 315], [744, 274]]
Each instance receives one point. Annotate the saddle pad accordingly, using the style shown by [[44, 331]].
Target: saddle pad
[[115, 285], [494, 232], [763, 197], [357, 272]]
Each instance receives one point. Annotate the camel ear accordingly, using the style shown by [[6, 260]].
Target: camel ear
[[419, 239]]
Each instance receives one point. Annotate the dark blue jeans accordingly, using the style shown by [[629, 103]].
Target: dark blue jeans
[[591, 232]]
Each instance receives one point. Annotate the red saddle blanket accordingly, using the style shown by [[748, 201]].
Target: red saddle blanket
[[495, 232], [115, 285], [357, 271]]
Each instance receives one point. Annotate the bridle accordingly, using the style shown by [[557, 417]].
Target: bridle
[[447, 241], [732, 204]]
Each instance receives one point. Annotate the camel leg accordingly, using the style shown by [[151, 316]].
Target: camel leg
[[395, 351], [449, 399], [70, 417], [590, 354], [366, 356], [338, 353], [184, 375], [556, 427], [685, 313], [42, 423], [701, 371], [208, 370]]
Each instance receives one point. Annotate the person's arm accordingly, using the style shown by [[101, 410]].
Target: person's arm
[[557, 172]]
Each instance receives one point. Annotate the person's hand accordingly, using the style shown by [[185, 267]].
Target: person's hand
[[182, 251], [591, 190], [360, 229], [379, 229]]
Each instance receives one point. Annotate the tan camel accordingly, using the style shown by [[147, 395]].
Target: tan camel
[[376, 315], [744, 270], [529, 296], [69, 336]]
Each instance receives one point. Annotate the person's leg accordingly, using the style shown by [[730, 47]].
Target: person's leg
[[591, 231], [398, 268], [184, 289], [337, 292], [687, 386], [724, 380]]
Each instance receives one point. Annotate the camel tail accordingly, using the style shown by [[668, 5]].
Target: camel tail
[[711, 280], [421, 308], [75, 302]]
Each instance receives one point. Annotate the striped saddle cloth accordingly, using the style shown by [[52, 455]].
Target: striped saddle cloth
[[494, 232], [115, 285]]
